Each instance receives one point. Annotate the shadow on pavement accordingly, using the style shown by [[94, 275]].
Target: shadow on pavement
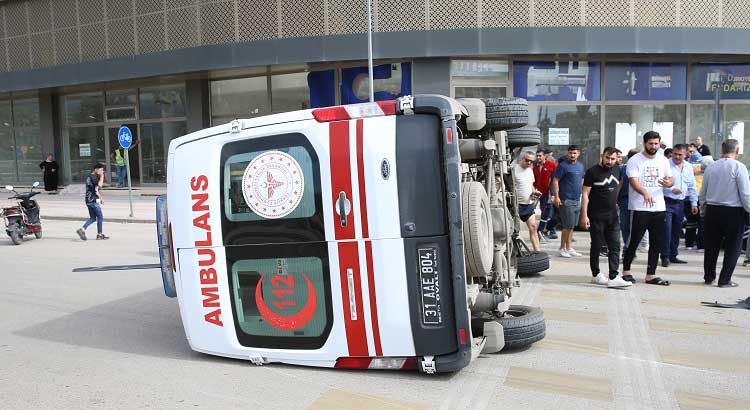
[[146, 323]]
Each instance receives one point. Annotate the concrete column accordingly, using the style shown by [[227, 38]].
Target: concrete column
[[47, 124], [198, 104]]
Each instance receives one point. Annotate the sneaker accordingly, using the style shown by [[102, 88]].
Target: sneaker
[[565, 254], [665, 262], [573, 252], [552, 235], [677, 261], [690, 247], [542, 238], [81, 234], [600, 279], [101, 236], [618, 282]]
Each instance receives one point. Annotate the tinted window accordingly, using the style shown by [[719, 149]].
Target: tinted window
[[281, 295], [271, 191]]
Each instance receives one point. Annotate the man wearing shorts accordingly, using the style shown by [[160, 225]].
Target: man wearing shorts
[[523, 178], [566, 189]]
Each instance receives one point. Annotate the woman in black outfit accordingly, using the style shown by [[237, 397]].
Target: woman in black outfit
[[50, 167]]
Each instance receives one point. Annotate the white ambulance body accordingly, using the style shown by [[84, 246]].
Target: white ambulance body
[[331, 237]]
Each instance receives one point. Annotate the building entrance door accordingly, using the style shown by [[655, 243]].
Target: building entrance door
[[114, 169]]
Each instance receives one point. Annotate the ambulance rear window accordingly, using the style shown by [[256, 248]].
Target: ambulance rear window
[[280, 295]]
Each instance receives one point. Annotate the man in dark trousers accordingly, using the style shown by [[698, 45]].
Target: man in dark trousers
[[649, 173], [674, 198], [724, 199], [599, 215], [543, 169]]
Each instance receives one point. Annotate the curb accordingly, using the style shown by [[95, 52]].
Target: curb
[[116, 220]]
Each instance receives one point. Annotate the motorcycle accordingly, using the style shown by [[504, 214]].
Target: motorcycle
[[22, 219]]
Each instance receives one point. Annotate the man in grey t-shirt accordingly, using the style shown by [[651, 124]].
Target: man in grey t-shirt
[[724, 199]]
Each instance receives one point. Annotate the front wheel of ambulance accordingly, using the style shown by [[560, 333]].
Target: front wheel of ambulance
[[477, 227], [522, 326], [524, 137], [506, 113]]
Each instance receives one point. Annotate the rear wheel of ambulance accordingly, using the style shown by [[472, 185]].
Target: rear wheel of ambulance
[[524, 137], [506, 113], [532, 264], [477, 227], [522, 326]]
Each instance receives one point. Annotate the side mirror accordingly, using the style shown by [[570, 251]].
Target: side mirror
[[35, 184], [9, 187]]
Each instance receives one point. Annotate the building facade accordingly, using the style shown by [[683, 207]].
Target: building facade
[[595, 72]]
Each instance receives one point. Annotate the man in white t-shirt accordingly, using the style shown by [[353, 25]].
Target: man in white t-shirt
[[523, 179], [649, 173]]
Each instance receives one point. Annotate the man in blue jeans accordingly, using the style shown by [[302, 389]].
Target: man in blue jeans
[[567, 183], [674, 198], [93, 198]]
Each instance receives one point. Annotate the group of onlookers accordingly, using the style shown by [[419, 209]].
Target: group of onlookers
[[660, 195]]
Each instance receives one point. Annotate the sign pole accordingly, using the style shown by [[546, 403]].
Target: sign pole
[[130, 191], [369, 49]]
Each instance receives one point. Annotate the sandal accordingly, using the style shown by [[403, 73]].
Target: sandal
[[658, 281], [629, 278]]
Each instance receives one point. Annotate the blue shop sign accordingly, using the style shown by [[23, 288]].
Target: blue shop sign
[[734, 80], [644, 81], [557, 80], [390, 82]]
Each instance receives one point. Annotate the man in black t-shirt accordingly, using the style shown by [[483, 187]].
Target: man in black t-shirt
[[94, 201], [601, 186]]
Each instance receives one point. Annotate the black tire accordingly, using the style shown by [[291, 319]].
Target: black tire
[[534, 263], [506, 113], [477, 227], [15, 236], [522, 325], [38, 234], [524, 137]]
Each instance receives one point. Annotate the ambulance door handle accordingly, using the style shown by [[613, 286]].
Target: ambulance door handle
[[344, 207]]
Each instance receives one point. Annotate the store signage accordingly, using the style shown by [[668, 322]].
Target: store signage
[[732, 79], [390, 82], [556, 80], [624, 82], [559, 136], [84, 150]]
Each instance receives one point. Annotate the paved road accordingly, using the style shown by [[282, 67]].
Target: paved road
[[112, 340]]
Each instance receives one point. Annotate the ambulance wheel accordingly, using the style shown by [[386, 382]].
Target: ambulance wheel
[[477, 224], [522, 325], [524, 137], [534, 263], [506, 113]]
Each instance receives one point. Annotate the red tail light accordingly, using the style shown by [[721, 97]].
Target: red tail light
[[381, 363], [462, 335], [352, 111]]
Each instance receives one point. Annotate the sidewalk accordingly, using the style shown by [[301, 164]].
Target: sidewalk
[[68, 205]]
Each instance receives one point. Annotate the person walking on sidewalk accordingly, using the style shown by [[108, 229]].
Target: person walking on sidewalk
[[599, 215], [523, 178], [566, 192], [674, 198], [543, 170], [724, 199], [93, 198], [649, 173]]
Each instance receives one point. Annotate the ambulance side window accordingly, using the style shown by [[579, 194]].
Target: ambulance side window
[[280, 295], [271, 191]]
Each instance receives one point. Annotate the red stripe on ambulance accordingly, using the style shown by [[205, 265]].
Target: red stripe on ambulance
[[351, 297], [341, 177], [366, 234], [206, 256]]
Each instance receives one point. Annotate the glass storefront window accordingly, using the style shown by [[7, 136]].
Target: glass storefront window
[[7, 144], [121, 97], [162, 102], [85, 149], [289, 92], [735, 122], [570, 125], [624, 125], [238, 98], [155, 138], [645, 81], [479, 78], [479, 92], [28, 138], [557, 80], [84, 109], [390, 82]]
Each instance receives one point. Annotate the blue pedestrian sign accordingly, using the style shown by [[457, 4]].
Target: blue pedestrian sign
[[125, 137]]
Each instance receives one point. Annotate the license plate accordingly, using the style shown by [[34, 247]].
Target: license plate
[[429, 283]]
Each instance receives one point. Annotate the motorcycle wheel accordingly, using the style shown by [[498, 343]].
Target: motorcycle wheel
[[15, 236], [38, 233]]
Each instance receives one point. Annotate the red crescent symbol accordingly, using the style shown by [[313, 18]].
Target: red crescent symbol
[[292, 322]]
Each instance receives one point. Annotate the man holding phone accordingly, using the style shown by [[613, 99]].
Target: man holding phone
[[648, 173]]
